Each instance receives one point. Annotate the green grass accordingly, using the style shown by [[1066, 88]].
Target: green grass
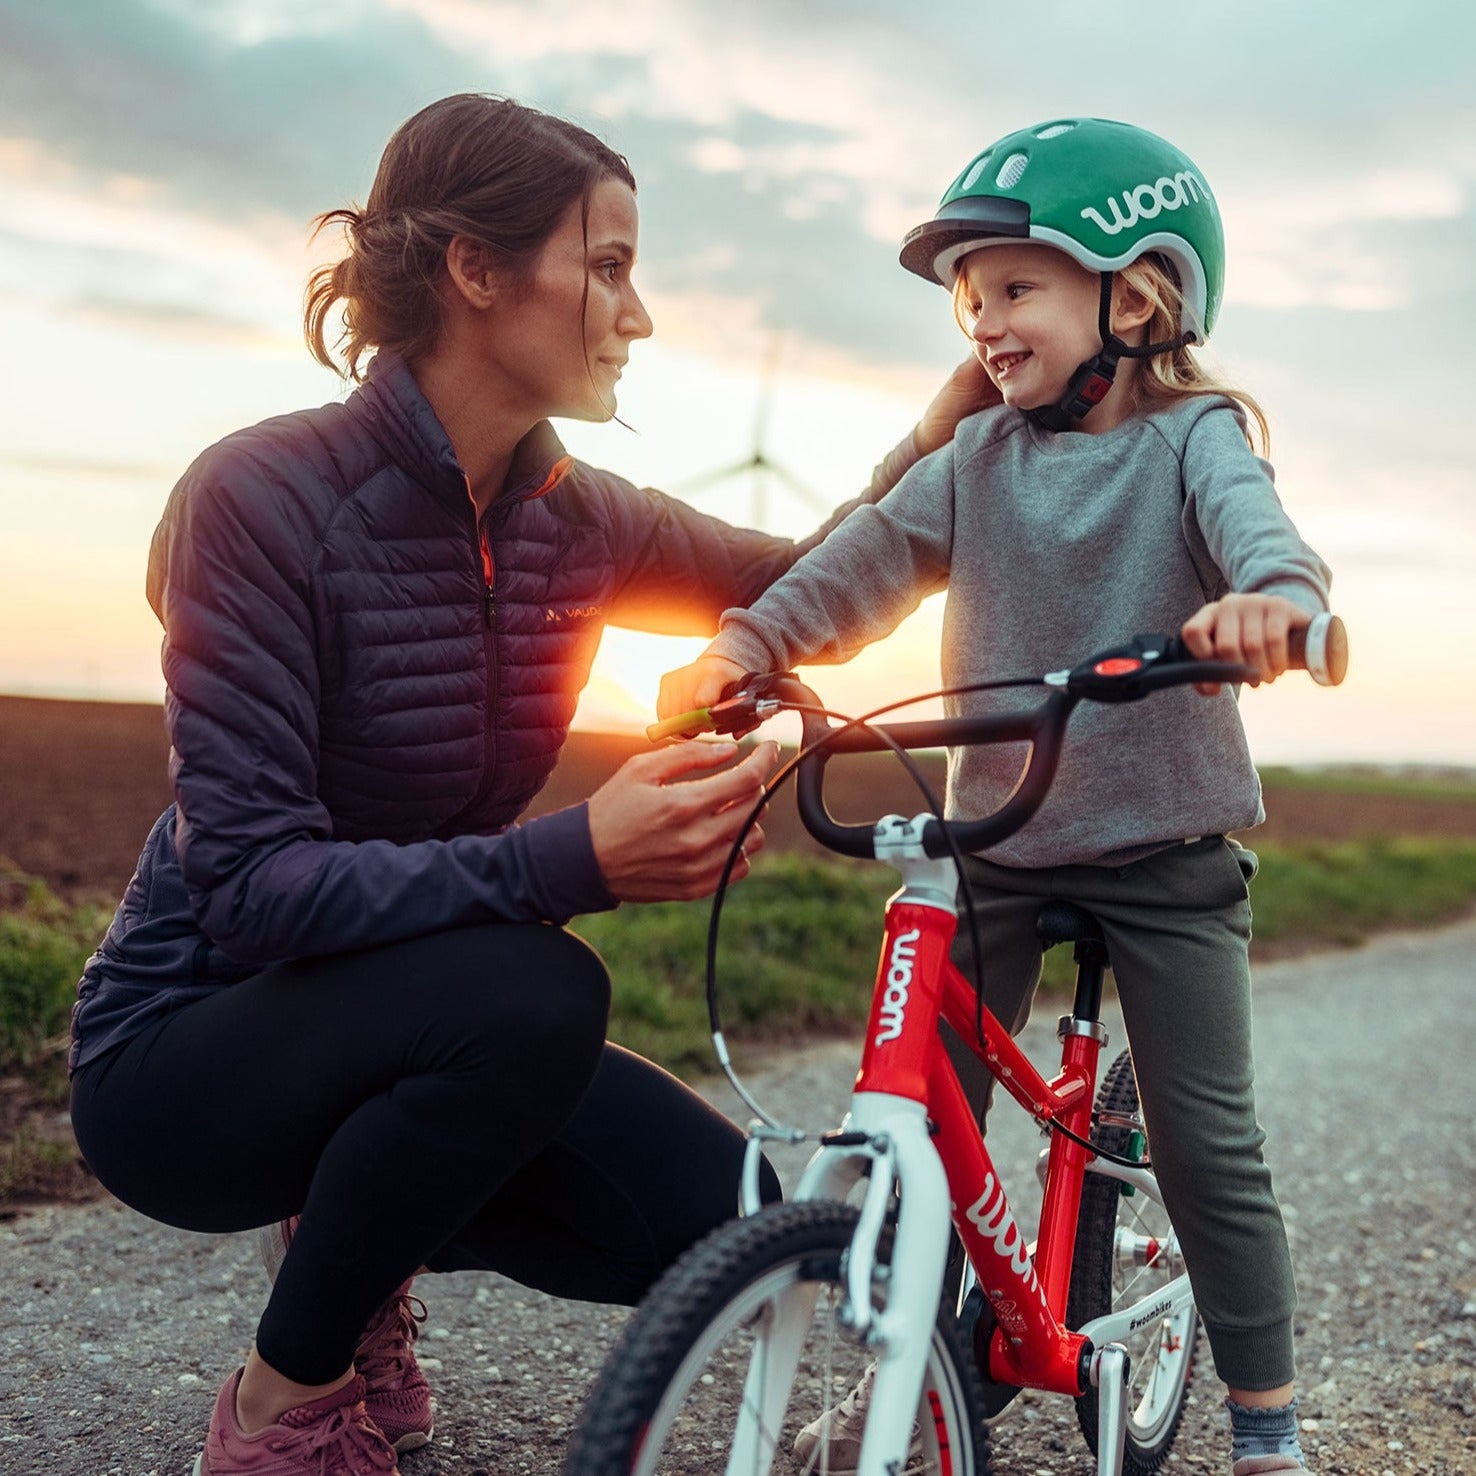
[[1453, 786], [798, 955], [43, 945], [1341, 892], [800, 937]]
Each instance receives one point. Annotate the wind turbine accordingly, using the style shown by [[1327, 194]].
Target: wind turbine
[[758, 466]]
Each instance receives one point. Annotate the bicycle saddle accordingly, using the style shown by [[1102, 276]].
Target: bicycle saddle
[[1064, 922]]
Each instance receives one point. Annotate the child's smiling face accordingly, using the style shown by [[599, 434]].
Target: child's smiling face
[[1034, 318]]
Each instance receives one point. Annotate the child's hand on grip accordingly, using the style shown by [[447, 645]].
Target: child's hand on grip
[[698, 685], [1250, 628]]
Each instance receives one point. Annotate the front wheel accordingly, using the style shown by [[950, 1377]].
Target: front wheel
[[1124, 1249], [691, 1389]]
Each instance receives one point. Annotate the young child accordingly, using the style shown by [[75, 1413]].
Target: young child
[[1115, 491]]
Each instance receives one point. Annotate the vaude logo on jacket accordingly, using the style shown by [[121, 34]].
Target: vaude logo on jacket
[[1144, 201], [899, 981], [569, 614]]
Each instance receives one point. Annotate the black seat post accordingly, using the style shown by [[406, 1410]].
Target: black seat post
[[1091, 965], [1063, 922]]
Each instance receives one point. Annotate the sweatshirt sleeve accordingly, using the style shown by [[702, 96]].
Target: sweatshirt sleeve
[[1231, 507], [679, 568], [857, 585], [230, 577]]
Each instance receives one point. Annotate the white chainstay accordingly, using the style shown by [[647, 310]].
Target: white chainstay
[[1168, 1300]]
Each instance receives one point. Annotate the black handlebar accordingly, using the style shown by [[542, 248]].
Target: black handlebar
[[1124, 674], [1042, 727]]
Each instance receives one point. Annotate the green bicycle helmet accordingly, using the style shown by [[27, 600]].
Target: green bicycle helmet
[[1105, 193]]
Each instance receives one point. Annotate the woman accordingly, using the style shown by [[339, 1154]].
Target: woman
[[337, 994]]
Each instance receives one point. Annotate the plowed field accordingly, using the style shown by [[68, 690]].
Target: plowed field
[[82, 782]]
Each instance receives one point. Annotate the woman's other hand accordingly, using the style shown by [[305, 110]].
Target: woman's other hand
[[965, 392], [698, 685], [660, 840], [1249, 628]]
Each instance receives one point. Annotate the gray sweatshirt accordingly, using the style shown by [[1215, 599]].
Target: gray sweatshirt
[[1053, 545]]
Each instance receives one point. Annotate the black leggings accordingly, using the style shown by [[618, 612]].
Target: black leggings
[[449, 1101]]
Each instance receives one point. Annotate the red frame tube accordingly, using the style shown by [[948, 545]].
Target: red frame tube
[[916, 984]]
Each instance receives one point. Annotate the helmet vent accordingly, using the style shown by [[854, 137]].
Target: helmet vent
[[1055, 130], [1010, 171], [971, 177]]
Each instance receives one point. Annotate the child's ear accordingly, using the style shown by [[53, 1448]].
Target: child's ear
[[1130, 308]]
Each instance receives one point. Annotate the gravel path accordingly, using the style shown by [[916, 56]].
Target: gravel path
[[120, 1330]]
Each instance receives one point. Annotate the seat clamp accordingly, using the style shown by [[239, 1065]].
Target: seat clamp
[[1070, 1025]]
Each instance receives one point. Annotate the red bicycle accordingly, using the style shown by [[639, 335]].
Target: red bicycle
[[771, 1319]]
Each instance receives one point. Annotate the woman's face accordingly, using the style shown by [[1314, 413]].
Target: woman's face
[[535, 338]]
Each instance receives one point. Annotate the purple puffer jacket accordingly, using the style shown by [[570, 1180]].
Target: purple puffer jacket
[[358, 713]]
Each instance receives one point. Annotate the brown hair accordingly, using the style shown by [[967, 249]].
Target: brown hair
[[469, 165], [1167, 376]]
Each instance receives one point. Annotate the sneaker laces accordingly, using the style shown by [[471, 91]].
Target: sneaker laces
[[858, 1399], [836, 1424], [385, 1355], [342, 1438]]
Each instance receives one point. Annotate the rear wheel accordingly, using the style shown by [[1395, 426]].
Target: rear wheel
[[689, 1388], [1124, 1250]]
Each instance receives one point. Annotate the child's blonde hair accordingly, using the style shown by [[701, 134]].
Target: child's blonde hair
[[1164, 377], [1177, 372]]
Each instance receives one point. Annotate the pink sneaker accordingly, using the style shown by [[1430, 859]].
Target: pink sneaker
[[396, 1393], [332, 1436]]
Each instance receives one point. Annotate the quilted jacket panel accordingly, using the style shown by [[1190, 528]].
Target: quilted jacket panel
[[355, 719]]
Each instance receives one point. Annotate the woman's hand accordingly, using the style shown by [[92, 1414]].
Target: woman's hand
[[1249, 628], [657, 840], [965, 392], [698, 685]]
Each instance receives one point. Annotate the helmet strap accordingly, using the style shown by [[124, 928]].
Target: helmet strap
[[1089, 386]]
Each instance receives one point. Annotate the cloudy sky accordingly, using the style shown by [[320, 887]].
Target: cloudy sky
[[160, 161]]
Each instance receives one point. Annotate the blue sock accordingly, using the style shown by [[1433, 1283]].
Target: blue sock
[[1263, 1431]]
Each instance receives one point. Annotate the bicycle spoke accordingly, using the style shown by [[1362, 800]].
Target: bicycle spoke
[[766, 1441], [827, 1387]]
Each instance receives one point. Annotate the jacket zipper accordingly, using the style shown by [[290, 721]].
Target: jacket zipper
[[483, 546], [489, 645], [489, 577]]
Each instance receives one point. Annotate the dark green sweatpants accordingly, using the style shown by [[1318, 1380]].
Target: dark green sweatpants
[[1178, 929]]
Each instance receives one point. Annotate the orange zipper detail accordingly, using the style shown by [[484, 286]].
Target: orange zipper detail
[[557, 473]]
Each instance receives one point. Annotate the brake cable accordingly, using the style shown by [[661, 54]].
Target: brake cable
[[935, 807]]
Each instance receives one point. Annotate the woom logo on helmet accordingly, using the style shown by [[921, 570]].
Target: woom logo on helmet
[[1145, 201]]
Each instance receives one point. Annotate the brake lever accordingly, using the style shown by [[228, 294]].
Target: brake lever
[[748, 702], [742, 707], [1147, 663]]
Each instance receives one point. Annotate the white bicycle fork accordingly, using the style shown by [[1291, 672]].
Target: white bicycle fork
[[897, 1153]]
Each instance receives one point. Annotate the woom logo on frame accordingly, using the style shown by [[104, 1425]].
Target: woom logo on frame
[[1145, 201], [990, 1216], [899, 981]]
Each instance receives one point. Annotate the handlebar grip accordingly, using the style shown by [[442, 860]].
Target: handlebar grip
[[683, 725], [1322, 648]]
